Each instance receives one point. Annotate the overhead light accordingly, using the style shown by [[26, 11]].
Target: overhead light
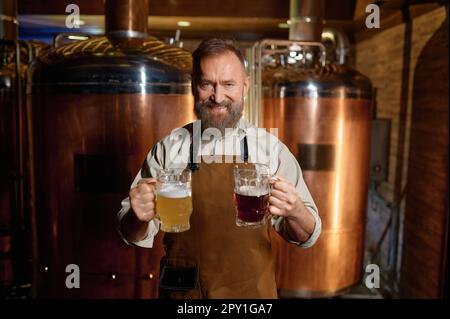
[[328, 35], [183, 23], [79, 22], [77, 37]]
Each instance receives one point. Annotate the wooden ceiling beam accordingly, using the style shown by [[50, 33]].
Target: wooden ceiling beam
[[232, 24], [279, 9]]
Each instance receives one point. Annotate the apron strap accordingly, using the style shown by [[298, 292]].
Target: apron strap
[[192, 166], [195, 133], [245, 150]]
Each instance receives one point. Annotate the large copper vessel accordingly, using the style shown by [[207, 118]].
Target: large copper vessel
[[98, 106], [323, 114]]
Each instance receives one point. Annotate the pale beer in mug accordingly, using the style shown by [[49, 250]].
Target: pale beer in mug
[[174, 200]]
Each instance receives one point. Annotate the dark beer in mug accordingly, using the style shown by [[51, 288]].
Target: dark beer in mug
[[251, 195], [251, 207]]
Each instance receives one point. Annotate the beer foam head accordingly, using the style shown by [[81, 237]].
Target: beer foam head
[[252, 190], [174, 191]]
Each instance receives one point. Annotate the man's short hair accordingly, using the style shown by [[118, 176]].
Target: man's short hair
[[211, 47]]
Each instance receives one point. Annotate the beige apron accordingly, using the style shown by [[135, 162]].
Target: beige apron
[[233, 262]]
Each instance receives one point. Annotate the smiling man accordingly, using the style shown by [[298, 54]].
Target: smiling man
[[219, 86], [216, 257]]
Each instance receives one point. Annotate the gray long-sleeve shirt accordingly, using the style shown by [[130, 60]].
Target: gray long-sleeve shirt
[[173, 151]]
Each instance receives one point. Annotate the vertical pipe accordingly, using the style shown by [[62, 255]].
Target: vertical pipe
[[8, 19], [399, 188], [32, 200], [126, 21], [306, 20]]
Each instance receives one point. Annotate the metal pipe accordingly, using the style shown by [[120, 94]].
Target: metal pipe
[[32, 201], [306, 20], [341, 43], [126, 20], [8, 19]]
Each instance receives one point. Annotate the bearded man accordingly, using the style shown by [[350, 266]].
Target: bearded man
[[217, 257]]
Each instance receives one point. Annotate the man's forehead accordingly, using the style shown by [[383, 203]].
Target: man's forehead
[[228, 61]]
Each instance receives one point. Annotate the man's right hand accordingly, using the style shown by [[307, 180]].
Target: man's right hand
[[142, 199]]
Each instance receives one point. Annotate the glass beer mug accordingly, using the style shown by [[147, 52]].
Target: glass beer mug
[[174, 199], [251, 195]]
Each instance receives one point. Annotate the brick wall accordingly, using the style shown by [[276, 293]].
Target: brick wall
[[382, 59]]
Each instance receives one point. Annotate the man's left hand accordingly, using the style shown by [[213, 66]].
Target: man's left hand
[[284, 200]]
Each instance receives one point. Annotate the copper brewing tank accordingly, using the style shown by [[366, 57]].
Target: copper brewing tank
[[323, 114], [98, 106]]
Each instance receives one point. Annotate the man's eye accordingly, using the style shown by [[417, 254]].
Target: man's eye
[[229, 85], [205, 85]]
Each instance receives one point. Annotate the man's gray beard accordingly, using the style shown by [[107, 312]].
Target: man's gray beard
[[230, 120]]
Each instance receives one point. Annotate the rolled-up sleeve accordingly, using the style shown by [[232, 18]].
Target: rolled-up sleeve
[[289, 168], [153, 227], [172, 151], [148, 169]]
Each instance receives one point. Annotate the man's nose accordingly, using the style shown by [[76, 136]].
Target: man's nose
[[218, 94]]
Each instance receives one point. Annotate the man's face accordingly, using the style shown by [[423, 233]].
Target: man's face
[[219, 93]]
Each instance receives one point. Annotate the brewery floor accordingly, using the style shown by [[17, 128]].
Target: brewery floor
[[361, 292]]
